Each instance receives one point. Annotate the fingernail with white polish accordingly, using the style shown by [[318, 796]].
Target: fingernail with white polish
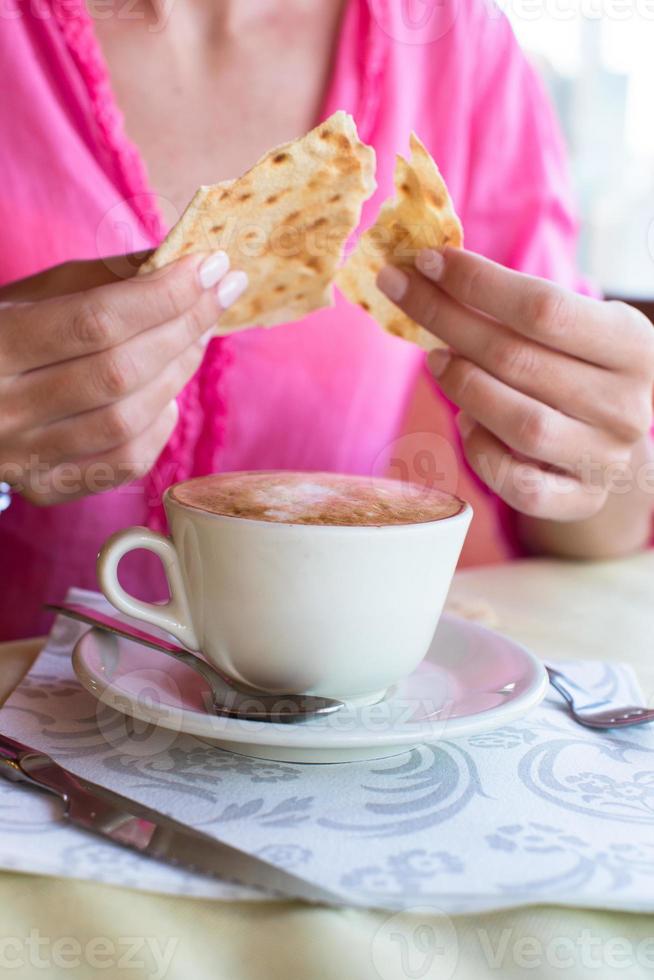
[[393, 283], [438, 361], [232, 286], [213, 269], [207, 337], [431, 263], [464, 424]]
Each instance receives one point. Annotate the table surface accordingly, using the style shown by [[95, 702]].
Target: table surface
[[559, 610]]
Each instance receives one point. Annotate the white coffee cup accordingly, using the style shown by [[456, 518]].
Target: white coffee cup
[[341, 612]]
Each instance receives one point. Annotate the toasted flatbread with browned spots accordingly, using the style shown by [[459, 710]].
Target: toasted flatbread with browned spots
[[285, 223], [420, 216]]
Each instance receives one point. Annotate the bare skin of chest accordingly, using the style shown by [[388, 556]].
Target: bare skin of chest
[[205, 96]]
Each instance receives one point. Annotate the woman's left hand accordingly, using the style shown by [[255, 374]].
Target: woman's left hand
[[555, 389]]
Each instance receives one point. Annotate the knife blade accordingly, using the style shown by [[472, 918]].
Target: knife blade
[[152, 834]]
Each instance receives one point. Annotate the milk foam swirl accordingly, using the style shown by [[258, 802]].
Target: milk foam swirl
[[316, 498]]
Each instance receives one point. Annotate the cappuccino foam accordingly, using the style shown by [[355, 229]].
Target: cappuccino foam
[[316, 498]]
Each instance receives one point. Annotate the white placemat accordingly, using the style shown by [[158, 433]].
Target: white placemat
[[35, 839], [541, 811]]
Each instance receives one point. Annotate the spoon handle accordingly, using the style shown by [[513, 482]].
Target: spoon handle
[[221, 688], [228, 698], [557, 680]]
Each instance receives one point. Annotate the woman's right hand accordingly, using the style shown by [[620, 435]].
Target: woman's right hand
[[88, 380]]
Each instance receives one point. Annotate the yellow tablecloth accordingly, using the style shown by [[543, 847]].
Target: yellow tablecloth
[[61, 928]]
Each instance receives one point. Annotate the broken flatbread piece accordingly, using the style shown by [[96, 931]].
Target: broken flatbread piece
[[284, 223], [420, 216]]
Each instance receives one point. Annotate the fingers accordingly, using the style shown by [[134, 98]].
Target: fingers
[[583, 391], [92, 422], [69, 481], [103, 429], [524, 486], [73, 277], [522, 423], [80, 385], [606, 399], [556, 389], [610, 335], [41, 334]]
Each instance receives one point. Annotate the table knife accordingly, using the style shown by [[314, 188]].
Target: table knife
[[112, 816]]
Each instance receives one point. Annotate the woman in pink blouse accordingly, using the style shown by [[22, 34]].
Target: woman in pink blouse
[[106, 384]]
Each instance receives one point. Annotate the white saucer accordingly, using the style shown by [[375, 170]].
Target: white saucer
[[472, 680]]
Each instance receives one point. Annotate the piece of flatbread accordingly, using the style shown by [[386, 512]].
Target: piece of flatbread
[[420, 216], [285, 223]]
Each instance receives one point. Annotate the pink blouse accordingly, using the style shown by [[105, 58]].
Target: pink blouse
[[333, 391]]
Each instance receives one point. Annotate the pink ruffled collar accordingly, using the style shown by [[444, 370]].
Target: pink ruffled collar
[[195, 444]]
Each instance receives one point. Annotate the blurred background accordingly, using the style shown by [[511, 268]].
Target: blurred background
[[597, 59]]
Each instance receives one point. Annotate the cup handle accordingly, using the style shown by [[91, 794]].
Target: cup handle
[[173, 616]]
